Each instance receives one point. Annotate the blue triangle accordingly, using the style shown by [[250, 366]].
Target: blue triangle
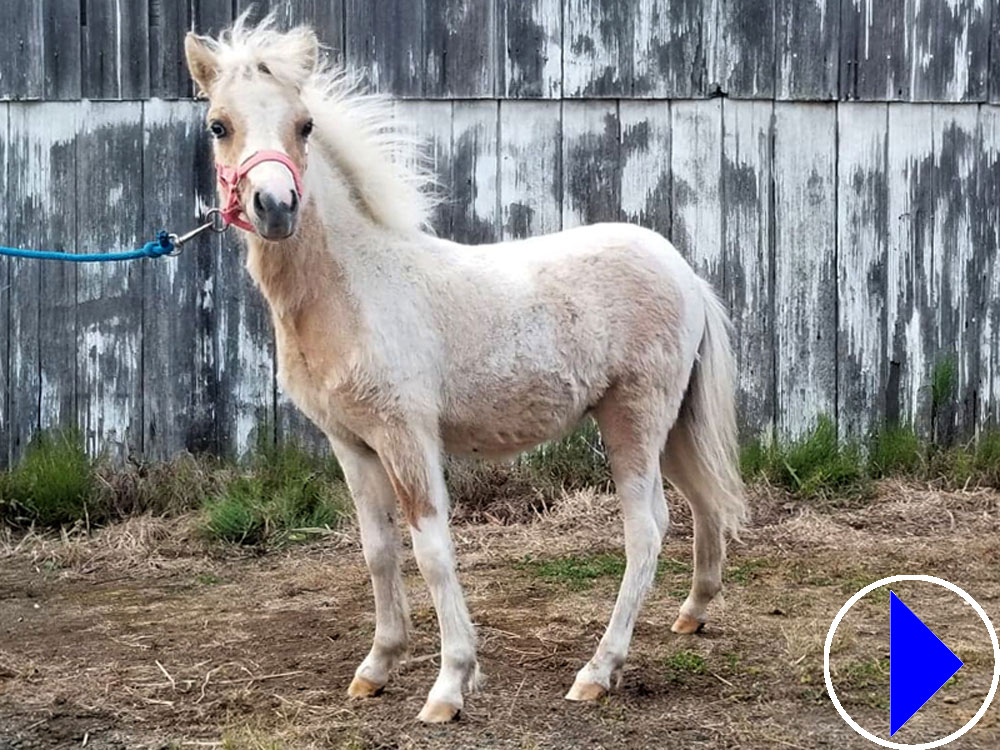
[[919, 663]]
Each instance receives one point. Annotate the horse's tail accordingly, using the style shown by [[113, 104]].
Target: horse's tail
[[702, 450]]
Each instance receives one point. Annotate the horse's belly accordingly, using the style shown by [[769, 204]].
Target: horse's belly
[[507, 419]]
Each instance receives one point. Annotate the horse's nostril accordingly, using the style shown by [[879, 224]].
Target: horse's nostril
[[258, 204], [295, 200]]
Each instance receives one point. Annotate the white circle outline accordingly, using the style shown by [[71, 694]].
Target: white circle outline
[[899, 745]]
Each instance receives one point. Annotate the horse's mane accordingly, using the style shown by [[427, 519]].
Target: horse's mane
[[382, 162]]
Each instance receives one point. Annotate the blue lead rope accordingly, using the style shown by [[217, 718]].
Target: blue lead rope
[[164, 244]]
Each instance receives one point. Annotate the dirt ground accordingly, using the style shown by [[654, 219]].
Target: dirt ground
[[142, 637]]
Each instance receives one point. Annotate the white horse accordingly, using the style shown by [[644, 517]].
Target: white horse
[[402, 346]]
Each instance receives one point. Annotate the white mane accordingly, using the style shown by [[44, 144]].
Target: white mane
[[382, 162]]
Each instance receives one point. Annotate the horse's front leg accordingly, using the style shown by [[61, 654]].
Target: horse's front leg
[[375, 501], [413, 463]]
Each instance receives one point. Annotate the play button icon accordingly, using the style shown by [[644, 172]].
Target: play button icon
[[919, 663]]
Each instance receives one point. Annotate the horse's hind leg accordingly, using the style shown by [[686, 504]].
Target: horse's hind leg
[[633, 436], [683, 468]]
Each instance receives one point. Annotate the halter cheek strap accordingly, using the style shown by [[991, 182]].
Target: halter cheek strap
[[231, 177]]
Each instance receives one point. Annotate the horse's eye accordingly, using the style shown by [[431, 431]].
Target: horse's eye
[[218, 129], [307, 128]]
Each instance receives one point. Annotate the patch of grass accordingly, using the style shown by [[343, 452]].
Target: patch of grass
[[746, 571], [286, 493], [53, 485], [817, 465], [683, 664], [579, 572], [575, 462], [895, 451]]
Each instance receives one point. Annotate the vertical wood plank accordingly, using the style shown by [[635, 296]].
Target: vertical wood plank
[[42, 299], [530, 168], [910, 247], [597, 48], [646, 182], [177, 344], [475, 172], [430, 121], [169, 21], [244, 354], [115, 49], [62, 49], [5, 270], [211, 16], [950, 50], [109, 295], [748, 251], [22, 74], [696, 163], [955, 280], [531, 48], [591, 163], [874, 50], [862, 227], [741, 48], [460, 39], [326, 17], [385, 40], [987, 242], [668, 41], [805, 220], [807, 34]]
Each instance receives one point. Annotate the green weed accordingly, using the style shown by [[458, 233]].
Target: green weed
[[54, 483], [684, 663]]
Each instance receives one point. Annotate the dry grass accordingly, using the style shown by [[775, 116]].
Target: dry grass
[[141, 636]]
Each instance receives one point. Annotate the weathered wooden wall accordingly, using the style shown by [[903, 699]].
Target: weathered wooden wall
[[833, 166]]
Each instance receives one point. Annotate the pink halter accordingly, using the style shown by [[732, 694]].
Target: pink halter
[[231, 177]]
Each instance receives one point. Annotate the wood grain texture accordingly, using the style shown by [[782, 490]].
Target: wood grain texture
[[597, 48], [807, 41], [211, 16], [862, 235], [748, 250], [62, 49], [475, 172], [384, 40], [430, 121], [956, 269], [668, 41], [460, 39], [805, 239], [741, 47], [42, 169], [875, 50], [987, 245], [5, 270], [22, 72], [530, 48], [530, 168], [646, 182], [109, 295], [696, 164], [177, 341], [591, 163], [115, 49], [910, 247], [949, 50], [169, 21]]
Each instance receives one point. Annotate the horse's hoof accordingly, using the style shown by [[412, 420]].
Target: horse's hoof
[[586, 691], [438, 712], [686, 625], [362, 688]]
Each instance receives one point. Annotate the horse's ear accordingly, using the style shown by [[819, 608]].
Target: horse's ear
[[202, 61]]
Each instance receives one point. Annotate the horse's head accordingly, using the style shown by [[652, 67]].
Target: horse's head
[[259, 123]]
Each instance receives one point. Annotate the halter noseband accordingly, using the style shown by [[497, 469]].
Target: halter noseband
[[231, 177]]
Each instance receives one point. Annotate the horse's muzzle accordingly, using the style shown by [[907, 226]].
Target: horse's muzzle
[[274, 218]]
